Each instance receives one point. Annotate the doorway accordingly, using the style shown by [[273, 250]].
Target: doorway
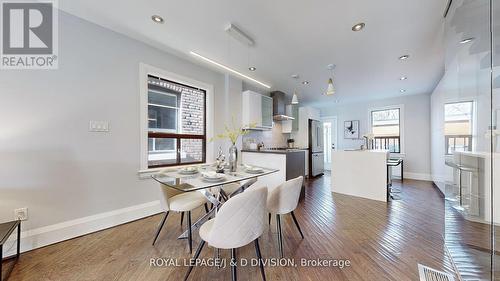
[[330, 139]]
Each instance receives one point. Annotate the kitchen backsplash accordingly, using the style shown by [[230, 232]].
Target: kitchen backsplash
[[271, 138]]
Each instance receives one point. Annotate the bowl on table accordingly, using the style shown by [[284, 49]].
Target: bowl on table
[[188, 170], [213, 176]]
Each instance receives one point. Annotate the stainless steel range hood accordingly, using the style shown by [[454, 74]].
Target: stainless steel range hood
[[279, 106]]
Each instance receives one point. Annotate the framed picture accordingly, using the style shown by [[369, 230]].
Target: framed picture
[[351, 129]]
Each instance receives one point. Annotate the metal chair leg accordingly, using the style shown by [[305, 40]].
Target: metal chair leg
[[182, 217], [297, 224], [190, 236], [196, 255], [160, 227], [259, 257], [280, 235], [233, 265], [269, 218], [206, 208]]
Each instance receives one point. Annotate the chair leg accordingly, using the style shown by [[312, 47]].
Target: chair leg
[[182, 217], [297, 224], [190, 236], [233, 265], [206, 208], [280, 235], [259, 257], [269, 218], [160, 227], [196, 255]]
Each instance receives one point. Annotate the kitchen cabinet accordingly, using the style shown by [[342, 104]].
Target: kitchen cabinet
[[257, 109]]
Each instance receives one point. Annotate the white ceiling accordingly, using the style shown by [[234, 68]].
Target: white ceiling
[[300, 37]]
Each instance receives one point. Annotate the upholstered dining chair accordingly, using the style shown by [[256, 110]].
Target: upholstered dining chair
[[178, 201], [284, 200], [239, 221]]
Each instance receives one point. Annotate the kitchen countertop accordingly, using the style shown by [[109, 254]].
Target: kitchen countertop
[[291, 150]]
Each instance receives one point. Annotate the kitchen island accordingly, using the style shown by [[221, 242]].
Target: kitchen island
[[361, 173], [289, 162]]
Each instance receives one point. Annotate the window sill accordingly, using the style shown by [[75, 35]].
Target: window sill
[[147, 173]]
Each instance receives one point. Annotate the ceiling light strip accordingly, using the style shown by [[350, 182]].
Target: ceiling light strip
[[229, 69]]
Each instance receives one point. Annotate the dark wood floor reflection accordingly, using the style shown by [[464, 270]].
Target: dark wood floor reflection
[[383, 241], [469, 243]]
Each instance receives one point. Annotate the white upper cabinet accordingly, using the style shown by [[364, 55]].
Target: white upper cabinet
[[257, 109]]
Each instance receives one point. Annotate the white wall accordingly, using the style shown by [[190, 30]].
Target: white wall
[[416, 129], [50, 163]]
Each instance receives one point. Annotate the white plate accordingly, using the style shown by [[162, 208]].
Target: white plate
[[254, 170], [213, 180]]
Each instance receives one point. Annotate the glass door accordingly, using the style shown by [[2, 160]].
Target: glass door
[[463, 106], [329, 140]]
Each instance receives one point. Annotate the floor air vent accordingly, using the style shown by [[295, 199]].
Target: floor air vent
[[429, 274]]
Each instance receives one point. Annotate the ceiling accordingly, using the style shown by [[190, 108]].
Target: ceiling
[[295, 37]]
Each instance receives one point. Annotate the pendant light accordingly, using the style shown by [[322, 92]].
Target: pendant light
[[295, 99], [330, 90]]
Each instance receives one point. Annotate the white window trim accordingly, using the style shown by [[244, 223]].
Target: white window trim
[[144, 71], [401, 108]]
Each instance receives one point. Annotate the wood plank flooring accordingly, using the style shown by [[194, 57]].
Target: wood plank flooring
[[383, 241]]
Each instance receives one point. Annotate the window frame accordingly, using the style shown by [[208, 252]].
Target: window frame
[[401, 109], [148, 70], [472, 124]]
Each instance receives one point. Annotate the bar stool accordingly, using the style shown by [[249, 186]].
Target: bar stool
[[393, 162]]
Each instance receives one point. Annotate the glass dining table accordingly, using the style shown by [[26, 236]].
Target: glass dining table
[[195, 181]]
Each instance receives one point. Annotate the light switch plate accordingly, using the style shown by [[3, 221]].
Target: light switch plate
[[98, 126], [21, 214]]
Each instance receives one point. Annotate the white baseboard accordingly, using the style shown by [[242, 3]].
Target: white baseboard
[[43, 236], [417, 176]]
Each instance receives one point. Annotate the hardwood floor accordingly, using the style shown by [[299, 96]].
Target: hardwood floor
[[382, 241]]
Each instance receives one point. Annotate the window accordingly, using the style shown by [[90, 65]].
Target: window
[[386, 127], [176, 123], [458, 126]]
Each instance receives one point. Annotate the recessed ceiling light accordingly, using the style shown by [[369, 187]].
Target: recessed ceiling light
[[229, 69], [157, 19], [305, 82], [467, 40], [402, 91], [295, 76], [404, 57], [252, 68], [403, 78], [358, 27]]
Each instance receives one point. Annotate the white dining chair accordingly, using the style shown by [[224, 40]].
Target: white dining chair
[[178, 201], [239, 221], [284, 200]]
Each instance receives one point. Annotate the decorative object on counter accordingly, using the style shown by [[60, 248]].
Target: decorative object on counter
[[260, 145], [369, 140], [351, 129], [233, 134], [220, 161], [290, 142]]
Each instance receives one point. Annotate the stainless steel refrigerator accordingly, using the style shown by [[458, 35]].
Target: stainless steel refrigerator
[[316, 154]]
